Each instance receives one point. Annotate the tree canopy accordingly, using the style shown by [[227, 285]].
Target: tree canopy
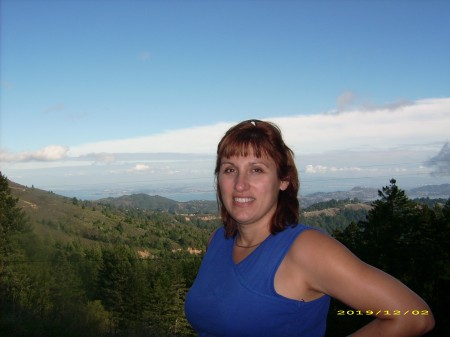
[[409, 241]]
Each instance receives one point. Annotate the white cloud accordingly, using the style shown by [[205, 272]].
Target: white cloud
[[385, 128], [139, 168], [100, 158], [424, 122], [49, 153], [192, 140], [441, 162], [421, 122], [312, 169]]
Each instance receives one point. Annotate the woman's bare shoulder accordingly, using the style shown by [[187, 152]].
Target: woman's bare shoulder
[[211, 236]]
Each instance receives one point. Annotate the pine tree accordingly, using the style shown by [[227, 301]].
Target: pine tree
[[13, 279], [409, 241], [12, 219], [119, 286]]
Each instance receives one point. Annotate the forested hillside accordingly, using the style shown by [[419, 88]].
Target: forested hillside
[[158, 203], [77, 268], [70, 267], [156, 226], [335, 214]]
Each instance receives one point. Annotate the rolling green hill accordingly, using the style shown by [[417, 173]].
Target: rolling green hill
[[149, 224], [158, 203], [142, 201], [335, 214]]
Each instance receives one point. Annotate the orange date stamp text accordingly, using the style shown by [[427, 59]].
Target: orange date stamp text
[[415, 312]]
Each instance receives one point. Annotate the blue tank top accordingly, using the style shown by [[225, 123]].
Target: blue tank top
[[234, 300]]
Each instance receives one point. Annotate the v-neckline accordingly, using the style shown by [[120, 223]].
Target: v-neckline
[[237, 264]]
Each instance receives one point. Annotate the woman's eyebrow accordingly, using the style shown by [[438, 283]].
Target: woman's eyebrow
[[228, 161], [259, 163]]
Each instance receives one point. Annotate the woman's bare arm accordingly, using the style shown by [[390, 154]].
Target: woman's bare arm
[[332, 269]]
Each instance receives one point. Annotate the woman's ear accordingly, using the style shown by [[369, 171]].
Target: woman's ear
[[284, 184]]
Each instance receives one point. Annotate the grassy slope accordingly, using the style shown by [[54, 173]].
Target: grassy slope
[[48, 212], [67, 219]]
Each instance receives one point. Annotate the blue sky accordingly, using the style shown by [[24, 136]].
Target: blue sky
[[92, 92]]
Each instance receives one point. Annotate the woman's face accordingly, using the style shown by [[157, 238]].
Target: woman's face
[[249, 188]]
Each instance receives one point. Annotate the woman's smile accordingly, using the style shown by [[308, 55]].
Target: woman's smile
[[243, 201], [240, 179]]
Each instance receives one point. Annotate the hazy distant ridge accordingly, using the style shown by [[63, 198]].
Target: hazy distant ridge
[[159, 203], [431, 191], [369, 194], [363, 194]]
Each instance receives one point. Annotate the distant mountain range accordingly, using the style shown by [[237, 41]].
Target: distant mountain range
[[431, 191], [159, 203], [369, 194], [363, 194]]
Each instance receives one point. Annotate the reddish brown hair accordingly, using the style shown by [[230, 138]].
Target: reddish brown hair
[[263, 139]]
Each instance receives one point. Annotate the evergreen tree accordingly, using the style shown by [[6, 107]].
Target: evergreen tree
[[121, 286], [12, 219], [409, 241], [13, 278]]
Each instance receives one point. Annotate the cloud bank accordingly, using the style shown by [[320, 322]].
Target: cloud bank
[[334, 151], [49, 153], [422, 122], [441, 162]]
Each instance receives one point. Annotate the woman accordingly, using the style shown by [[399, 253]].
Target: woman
[[266, 275]]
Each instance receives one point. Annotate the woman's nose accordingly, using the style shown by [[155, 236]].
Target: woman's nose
[[241, 182]]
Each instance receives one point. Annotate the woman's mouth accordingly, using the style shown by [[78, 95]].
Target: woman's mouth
[[243, 200]]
